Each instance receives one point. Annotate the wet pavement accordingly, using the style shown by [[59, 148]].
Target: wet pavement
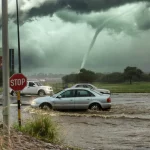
[[125, 126], [25, 100]]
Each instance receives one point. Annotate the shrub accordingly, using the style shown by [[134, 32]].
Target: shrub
[[40, 126]]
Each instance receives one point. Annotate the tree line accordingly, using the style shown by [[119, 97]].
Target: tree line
[[130, 74]]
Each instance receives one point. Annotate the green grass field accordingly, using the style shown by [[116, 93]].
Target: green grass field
[[135, 87]]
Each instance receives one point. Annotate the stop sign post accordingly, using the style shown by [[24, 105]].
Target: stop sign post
[[18, 82]]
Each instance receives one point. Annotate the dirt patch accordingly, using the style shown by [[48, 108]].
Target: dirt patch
[[20, 141]]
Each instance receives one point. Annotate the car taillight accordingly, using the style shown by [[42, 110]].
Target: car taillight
[[109, 100]]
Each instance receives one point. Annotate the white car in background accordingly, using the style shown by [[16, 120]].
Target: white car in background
[[35, 88], [90, 86]]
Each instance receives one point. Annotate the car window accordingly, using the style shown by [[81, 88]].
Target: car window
[[79, 86], [85, 86], [69, 93], [38, 83], [31, 84], [84, 93], [90, 87]]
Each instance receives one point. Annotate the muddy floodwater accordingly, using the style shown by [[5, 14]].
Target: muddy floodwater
[[126, 126]]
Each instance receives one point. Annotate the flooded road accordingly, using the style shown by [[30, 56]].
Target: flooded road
[[110, 134], [126, 126]]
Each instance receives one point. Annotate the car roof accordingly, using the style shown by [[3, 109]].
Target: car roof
[[33, 81], [81, 88], [83, 84], [77, 88]]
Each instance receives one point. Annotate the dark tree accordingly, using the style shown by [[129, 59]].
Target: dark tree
[[86, 76], [115, 77], [131, 72], [70, 78]]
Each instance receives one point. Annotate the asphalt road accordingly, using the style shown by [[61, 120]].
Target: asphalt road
[[25, 100], [124, 127]]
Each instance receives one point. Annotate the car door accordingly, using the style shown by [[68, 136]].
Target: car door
[[31, 88], [24, 91], [83, 98], [65, 100]]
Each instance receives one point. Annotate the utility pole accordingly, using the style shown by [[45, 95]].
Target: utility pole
[[5, 65], [18, 31], [19, 64]]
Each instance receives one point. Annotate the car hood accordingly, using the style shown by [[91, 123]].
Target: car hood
[[44, 99], [43, 86]]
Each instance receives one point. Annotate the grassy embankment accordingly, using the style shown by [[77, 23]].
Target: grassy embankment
[[40, 126], [135, 87]]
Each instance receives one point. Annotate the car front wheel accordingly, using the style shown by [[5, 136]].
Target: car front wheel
[[46, 106], [95, 107], [41, 93]]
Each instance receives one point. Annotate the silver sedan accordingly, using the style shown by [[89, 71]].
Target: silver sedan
[[74, 98]]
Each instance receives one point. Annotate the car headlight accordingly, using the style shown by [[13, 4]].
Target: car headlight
[[33, 102], [49, 89]]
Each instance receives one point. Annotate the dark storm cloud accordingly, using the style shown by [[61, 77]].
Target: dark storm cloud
[[79, 6], [45, 9], [49, 7], [143, 18], [94, 5]]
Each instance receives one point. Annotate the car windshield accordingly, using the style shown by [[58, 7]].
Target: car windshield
[[55, 95], [93, 87], [38, 83]]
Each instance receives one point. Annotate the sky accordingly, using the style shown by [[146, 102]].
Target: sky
[[63, 36]]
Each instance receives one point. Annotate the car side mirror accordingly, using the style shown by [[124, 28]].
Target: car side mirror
[[59, 96]]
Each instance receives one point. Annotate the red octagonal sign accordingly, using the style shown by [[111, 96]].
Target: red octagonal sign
[[17, 82]]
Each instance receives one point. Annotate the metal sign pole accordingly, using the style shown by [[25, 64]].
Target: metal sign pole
[[19, 108], [19, 63], [5, 64], [17, 83], [18, 32]]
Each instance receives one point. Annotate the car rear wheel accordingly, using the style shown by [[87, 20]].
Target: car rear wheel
[[95, 107], [46, 106], [41, 93]]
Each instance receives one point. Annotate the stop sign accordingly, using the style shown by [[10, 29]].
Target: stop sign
[[17, 82]]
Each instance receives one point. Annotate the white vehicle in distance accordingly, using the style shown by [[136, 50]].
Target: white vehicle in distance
[[90, 86], [35, 88]]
